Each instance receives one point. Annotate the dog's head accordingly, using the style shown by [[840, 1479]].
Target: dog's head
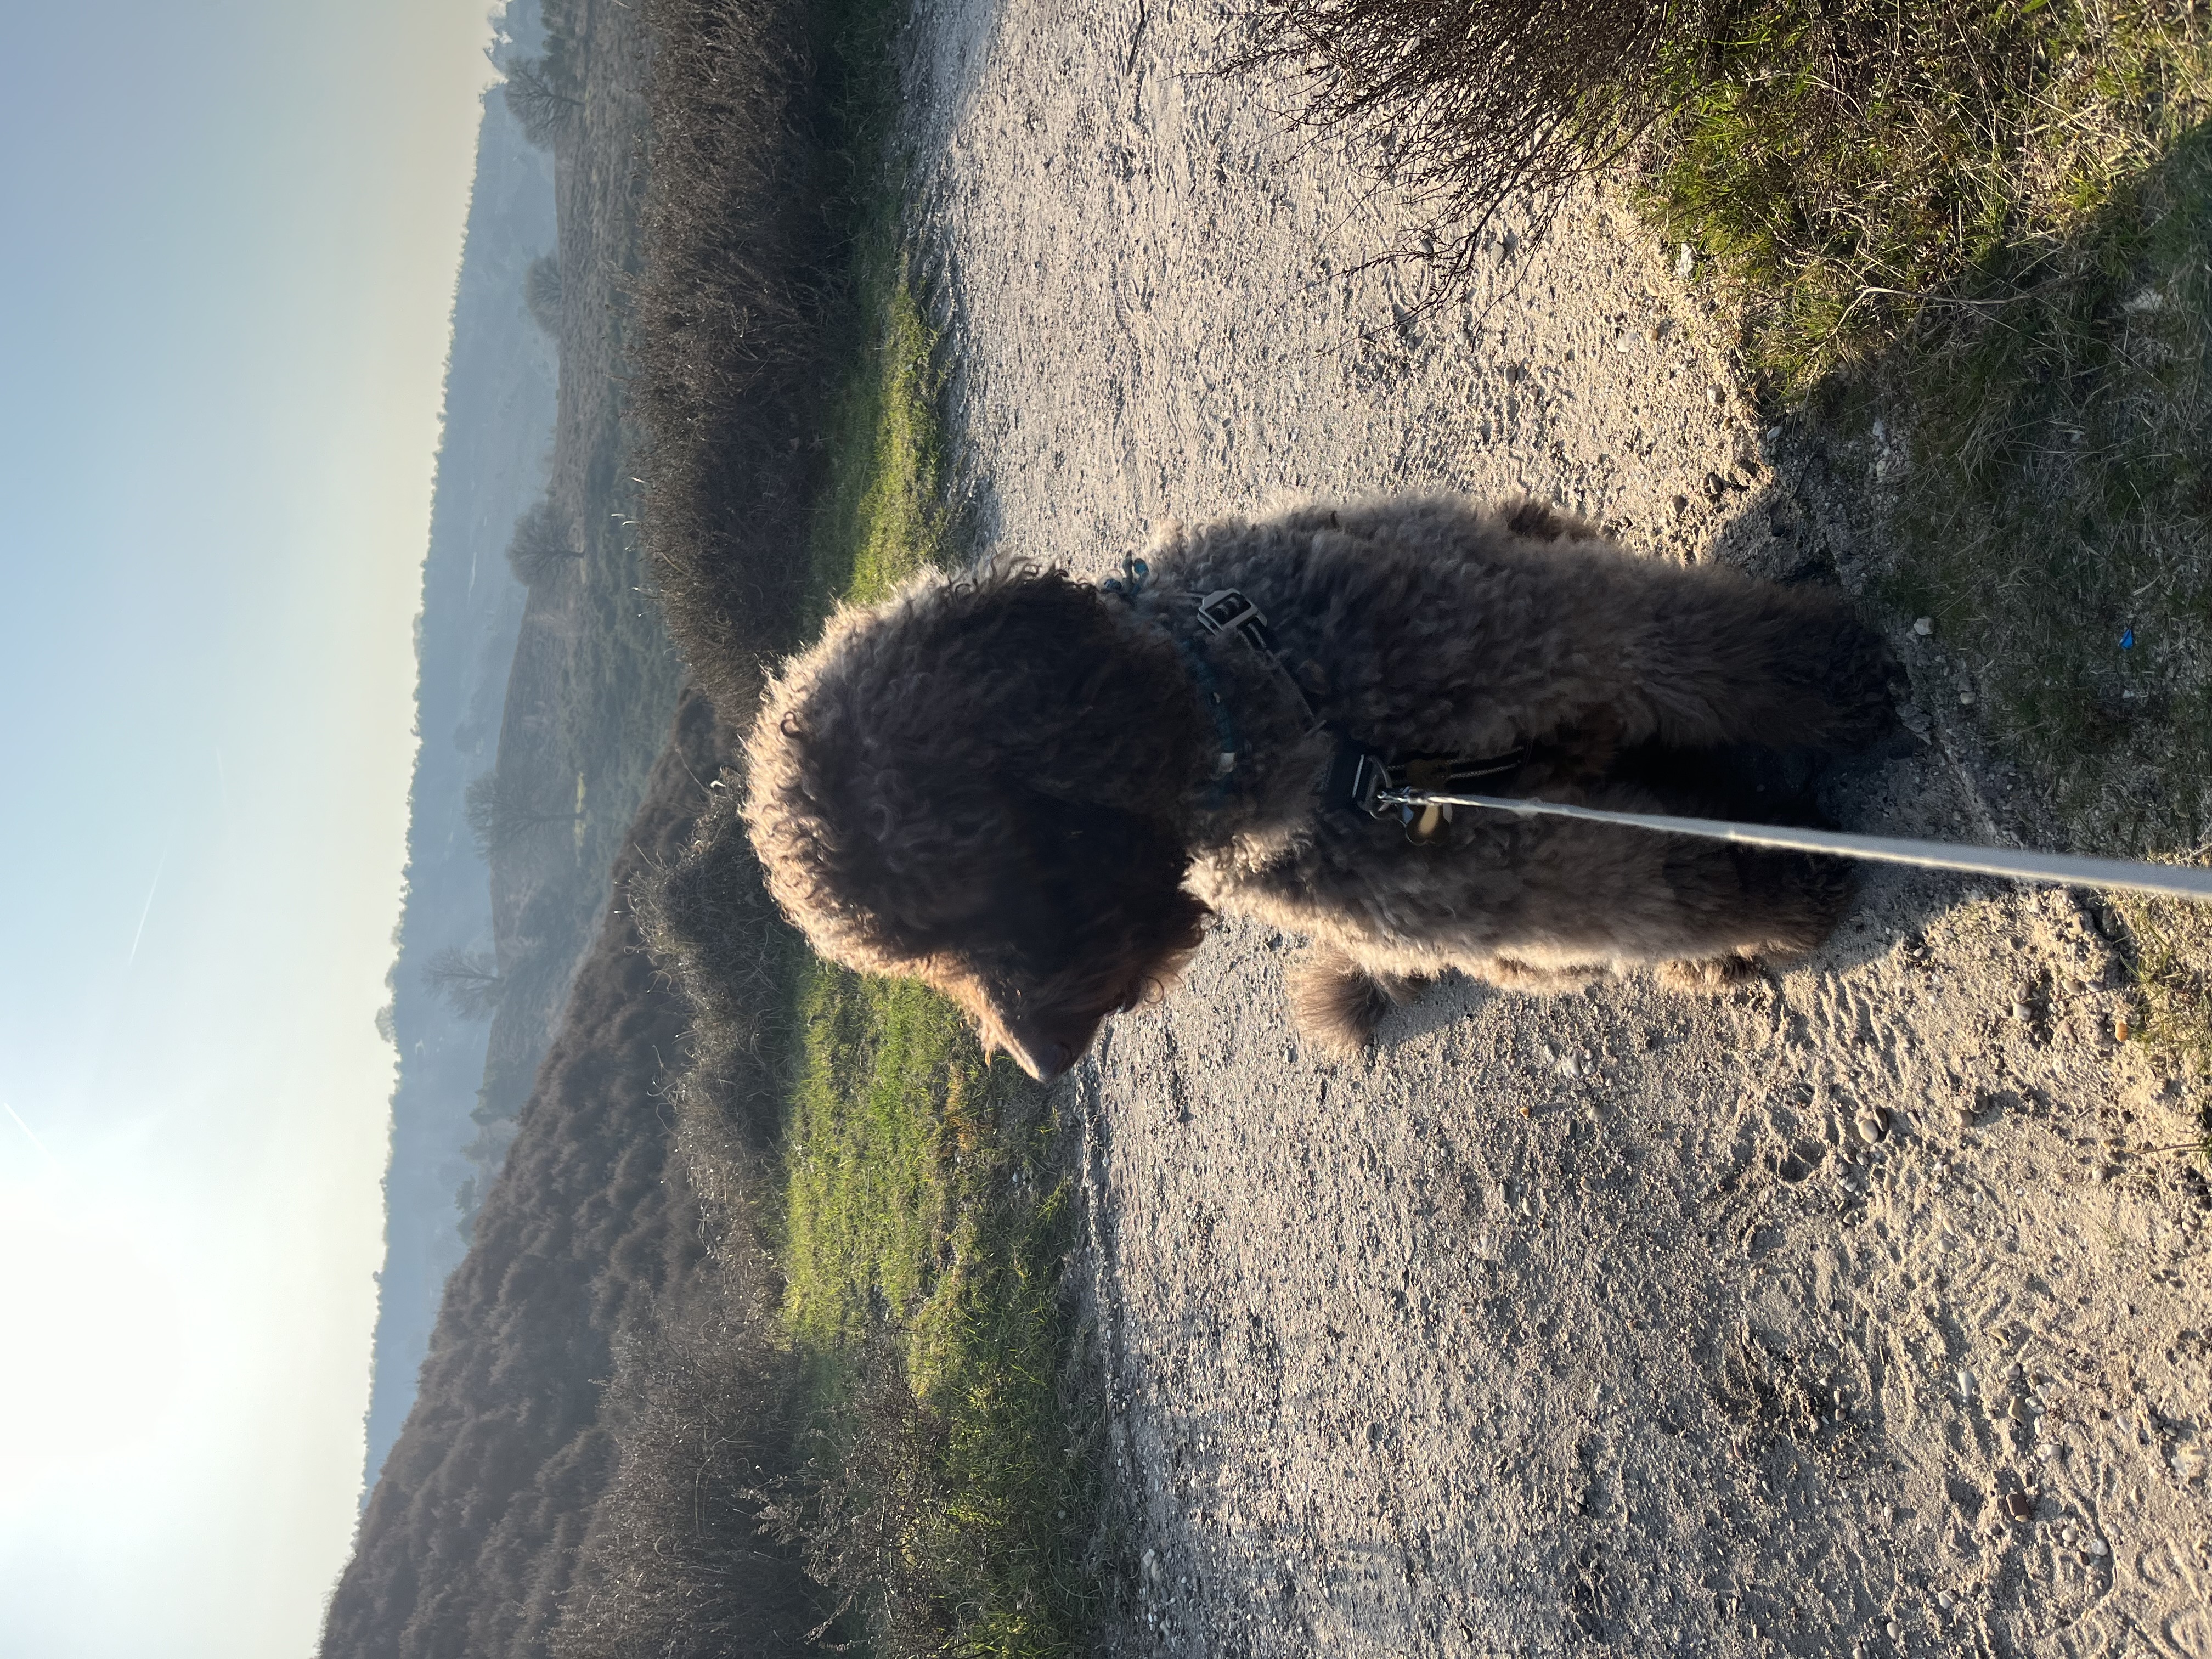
[[980, 783]]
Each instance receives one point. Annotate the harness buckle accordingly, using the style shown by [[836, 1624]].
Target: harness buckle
[[1226, 610]]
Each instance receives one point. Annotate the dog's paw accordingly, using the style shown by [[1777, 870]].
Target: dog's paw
[[1337, 1004], [1708, 973]]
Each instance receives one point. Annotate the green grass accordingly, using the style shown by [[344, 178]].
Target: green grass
[[882, 517], [925, 1228], [925, 1234], [1843, 165], [2054, 515]]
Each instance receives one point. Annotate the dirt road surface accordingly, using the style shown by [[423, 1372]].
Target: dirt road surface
[[1585, 1322]]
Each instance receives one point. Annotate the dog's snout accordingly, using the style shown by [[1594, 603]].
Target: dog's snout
[[1046, 1063], [1043, 1049]]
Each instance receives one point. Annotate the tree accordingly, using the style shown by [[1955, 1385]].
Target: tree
[[537, 96], [500, 810], [469, 982], [541, 293], [544, 543]]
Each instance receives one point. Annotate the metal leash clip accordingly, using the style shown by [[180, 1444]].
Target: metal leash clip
[[1404, 787]]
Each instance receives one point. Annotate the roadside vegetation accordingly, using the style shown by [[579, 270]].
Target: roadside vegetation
[[891, 1220], [924, 1221], [1966, 246]]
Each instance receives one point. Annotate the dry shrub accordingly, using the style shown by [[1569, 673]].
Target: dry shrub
[[684, 1557], [730, 312], [1471, 103], [871, 1494], [710, 925], [1841, 161]]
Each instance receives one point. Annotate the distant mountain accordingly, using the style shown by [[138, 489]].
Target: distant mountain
[[500, 384]]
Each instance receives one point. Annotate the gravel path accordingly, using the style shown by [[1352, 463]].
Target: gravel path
[[1587, 1320]]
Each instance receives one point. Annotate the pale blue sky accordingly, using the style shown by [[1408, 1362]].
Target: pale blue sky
[[231, 231]]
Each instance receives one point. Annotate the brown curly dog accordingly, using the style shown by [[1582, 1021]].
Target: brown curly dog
[[1032, 792]]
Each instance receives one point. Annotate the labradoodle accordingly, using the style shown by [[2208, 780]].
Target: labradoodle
[[1032, 792]]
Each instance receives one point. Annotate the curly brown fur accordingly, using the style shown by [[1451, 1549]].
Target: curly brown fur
[[1007, 783], [979, 785]]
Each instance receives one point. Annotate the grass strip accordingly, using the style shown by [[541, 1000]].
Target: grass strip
[[925, 1229]]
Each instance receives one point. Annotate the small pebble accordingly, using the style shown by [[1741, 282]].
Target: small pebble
[[1686, 261], [2021, 1010], [2094, 1546], [2119, 1028], [2018, 1409], [2020, 1506], [1963, 1116], [1923, 626], [1872, 1124]]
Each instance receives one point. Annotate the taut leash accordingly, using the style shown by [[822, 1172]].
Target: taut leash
[[2177, 881]]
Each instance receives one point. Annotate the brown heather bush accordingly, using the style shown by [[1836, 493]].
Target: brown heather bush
[[1473, 103], [684, 1559], [730, 316]]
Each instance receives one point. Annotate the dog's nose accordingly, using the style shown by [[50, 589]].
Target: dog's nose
[[1046, 1062]]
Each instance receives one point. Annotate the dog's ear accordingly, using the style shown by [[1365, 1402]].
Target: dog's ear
[[1092, 919]]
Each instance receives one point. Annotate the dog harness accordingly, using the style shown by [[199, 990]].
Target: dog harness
[[1421, 790], [1364, 779]]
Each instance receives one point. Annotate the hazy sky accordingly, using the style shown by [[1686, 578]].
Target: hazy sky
[[231, 231]]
